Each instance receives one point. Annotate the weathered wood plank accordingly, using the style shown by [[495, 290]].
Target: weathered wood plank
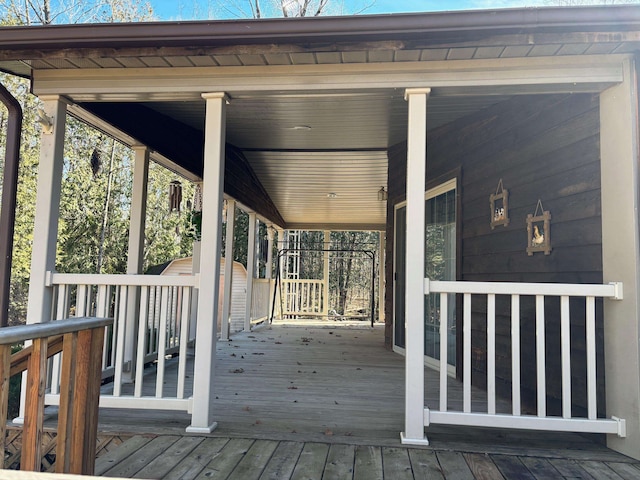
[[255, 460], [311, 462], [482, 467], [34, 409], [625, 470], [454, 465], [540, 468], [223, 462], [396, 463], [368, 463], [339, 462], [283, 461], [600, 470], [141, 457], [111, 459], [190, 467], [167, 460], [67, 387], [512, 467], [425, 464], [5, 364], [569, 468]]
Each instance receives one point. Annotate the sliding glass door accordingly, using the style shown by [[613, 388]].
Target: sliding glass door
[[440, 264]]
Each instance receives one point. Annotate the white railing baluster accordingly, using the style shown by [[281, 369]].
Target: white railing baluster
[[184, 339], [565, 345], [592, 410], [101, 311], [142, 340], [61, 305], [81, 299], [541, 371], [118, 335], [444, 315], [491, 354], [162, 340], [515, 355], [466, 340]]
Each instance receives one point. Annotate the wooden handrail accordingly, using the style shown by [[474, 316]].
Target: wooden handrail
[[81, 341]]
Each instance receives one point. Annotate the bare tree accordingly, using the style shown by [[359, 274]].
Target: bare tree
[[39, 12], [289, 8]]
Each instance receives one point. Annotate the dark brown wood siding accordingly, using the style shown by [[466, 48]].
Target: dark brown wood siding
[[543, 147]]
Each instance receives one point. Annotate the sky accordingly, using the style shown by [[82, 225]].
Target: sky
[[200, 9]]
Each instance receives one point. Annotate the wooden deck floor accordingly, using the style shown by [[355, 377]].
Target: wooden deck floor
[[189, 457], [325, 401]]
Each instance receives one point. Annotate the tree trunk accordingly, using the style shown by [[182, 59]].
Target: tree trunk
[[105, 214]]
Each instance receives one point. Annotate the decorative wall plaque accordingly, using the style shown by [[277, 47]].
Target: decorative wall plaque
[[539, 231], [499, 206]]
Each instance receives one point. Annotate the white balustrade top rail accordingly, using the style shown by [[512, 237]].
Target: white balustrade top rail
[[612, 290], [55, 278]]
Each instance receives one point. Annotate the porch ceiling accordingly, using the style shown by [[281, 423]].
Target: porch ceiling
[[322, 157]]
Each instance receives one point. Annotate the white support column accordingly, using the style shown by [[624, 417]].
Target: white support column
[[325, 275], [228, 271], [621, 255], [135, 253], [268, 272], [195, 263], [213, 186], [381, 277], [251, 269], [414, 299], [45, 233], [280, 273], [195, 270]]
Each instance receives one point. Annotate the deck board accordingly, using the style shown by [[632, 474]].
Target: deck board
[[368, 463], [324, 401], [191, 466], [224, 462], [164, 463], [311, 462], [283, 461]]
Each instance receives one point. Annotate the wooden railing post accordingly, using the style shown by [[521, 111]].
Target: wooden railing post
[[5, 365], [81, 341], [34, 410]]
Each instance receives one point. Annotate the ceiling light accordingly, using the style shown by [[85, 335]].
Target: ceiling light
[[332, 195], [301, 127]]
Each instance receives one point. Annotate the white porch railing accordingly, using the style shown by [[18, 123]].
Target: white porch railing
[[261, 299], [151, 326], [303, 297], [445, 414]]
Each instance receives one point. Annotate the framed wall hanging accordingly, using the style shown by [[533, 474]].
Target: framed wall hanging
[[539, 231], [499, 206]]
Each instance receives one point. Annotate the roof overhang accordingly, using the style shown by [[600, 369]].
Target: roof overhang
[[334, 74]]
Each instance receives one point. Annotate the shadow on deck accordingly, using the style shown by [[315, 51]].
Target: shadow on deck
[[325, 397]]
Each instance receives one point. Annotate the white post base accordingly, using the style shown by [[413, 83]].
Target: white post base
[[413, 441], [209, 429], [18, 421]]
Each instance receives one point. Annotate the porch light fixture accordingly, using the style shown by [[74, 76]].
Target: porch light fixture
[[332, 195], [303, 128], [382, 195]]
